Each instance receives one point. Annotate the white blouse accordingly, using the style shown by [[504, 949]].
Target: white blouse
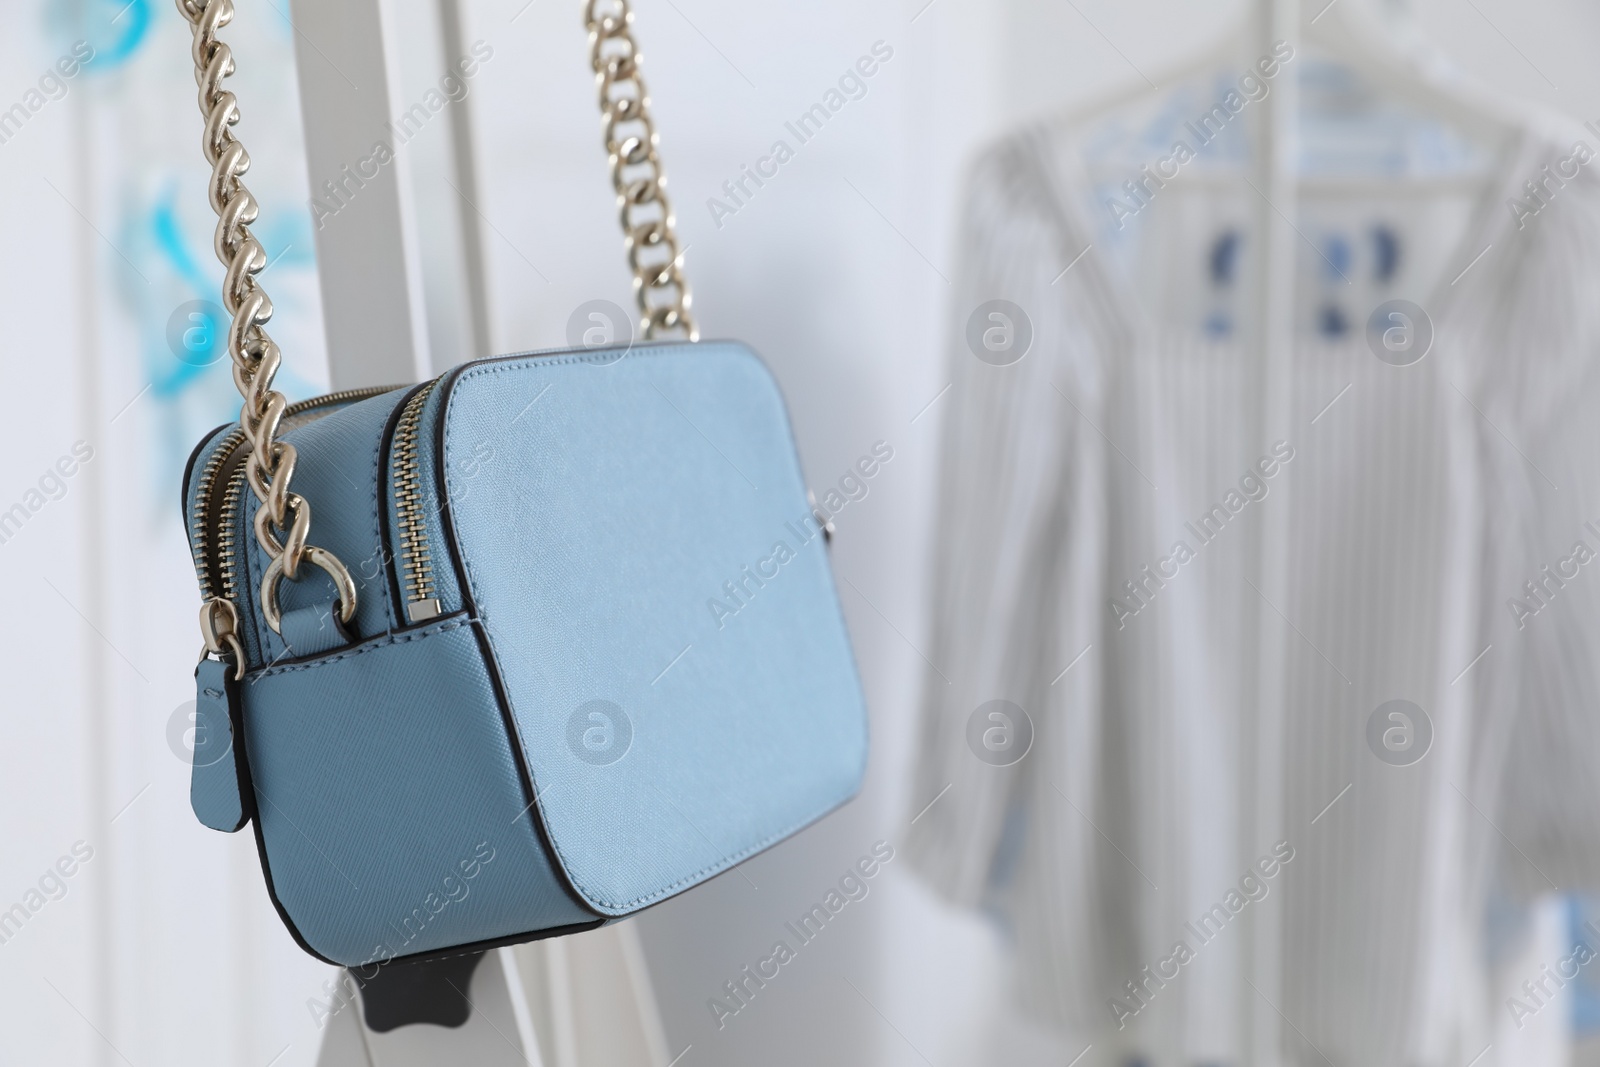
[[1097, 541]]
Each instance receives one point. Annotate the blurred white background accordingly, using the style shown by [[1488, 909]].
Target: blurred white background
[[163, 948]]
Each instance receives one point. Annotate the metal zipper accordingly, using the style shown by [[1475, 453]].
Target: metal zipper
[[199, 532], [199, 529], [414, 570], [214, 541], [227, 530], [415, 561]]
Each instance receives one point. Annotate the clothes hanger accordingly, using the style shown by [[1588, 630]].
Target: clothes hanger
[[1405, 81], [1220, 53], [1399, 63], [1388, 58]]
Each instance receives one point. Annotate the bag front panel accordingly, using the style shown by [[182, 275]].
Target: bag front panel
[[659, 603], [392, 816]]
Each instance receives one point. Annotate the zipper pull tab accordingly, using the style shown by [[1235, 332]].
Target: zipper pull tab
[[219, 789], [219, 629]]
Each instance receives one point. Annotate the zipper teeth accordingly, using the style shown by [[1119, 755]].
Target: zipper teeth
[[416, 564], [198, 536], [342, 396], [227, 521]]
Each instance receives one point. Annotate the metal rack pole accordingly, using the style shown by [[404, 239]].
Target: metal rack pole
[[1273, 20], [403, 297]]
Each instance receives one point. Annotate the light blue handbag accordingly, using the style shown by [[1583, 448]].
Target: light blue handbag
[[566, 642]]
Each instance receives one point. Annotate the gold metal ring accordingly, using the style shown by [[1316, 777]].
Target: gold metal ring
[[330, 566]]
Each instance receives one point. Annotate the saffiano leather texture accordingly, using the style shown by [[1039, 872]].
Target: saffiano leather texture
[[637, 675]]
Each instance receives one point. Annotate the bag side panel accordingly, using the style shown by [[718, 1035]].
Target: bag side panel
[[393, 817], [337, 472]]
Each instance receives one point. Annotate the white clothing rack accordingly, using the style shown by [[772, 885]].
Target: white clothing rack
[[402, 281]]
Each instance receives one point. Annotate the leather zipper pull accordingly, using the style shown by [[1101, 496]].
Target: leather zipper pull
[[219, 782]]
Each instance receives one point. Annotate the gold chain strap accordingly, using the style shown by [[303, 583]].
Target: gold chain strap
[[630, 139], [649, 238], [270, 464]]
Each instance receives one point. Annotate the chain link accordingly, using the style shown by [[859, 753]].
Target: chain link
[[270, 463], [636, 174]]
